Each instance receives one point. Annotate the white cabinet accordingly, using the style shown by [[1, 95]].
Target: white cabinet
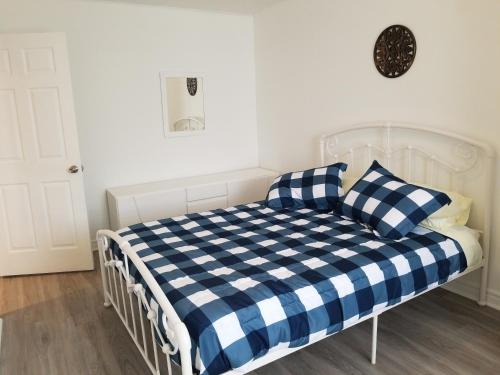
[[248, 190], [158, 200]]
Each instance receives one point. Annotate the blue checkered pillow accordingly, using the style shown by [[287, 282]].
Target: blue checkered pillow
[[389, 204], [318, 188]]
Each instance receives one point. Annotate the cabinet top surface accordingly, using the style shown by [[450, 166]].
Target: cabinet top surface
[[180, 183]]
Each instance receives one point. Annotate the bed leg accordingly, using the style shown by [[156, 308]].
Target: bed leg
[[374, 339], [102, 245], [184, 342]]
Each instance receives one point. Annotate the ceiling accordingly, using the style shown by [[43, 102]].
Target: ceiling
[[230, 6]]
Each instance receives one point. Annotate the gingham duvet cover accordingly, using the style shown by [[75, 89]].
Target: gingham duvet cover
[[248, 278]]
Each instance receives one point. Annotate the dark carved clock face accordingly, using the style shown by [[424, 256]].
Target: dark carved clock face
[[394, 51], [192, 85]]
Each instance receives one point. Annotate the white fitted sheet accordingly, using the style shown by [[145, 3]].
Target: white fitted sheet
[[469, 241]]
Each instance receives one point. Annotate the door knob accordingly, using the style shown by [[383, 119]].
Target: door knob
[[73, 169]]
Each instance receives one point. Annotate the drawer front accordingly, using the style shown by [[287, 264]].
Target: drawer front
[[196, 193], [206, 204]]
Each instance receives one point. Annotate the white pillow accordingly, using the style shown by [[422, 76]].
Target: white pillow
[[456, 213]]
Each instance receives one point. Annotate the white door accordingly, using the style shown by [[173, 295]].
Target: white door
[[43, 218]]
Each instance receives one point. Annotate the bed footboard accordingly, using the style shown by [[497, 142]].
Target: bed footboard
[[129, 300]]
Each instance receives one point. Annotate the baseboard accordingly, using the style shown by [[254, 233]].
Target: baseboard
[[471, 291], [93, 245], [493, 298]]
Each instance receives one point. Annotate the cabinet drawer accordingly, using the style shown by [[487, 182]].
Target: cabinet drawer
[[206, 204], [196, 193]]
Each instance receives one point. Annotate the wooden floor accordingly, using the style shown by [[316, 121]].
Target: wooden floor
[[56, 324]]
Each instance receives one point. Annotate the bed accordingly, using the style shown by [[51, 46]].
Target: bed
[[230, 290]]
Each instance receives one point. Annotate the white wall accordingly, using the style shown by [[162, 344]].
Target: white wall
[[116, 53], [315, 72]]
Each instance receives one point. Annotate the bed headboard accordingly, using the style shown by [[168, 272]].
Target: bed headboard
[[421, 154]]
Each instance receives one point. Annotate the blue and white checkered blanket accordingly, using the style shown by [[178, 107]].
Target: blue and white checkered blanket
[[248, 278]]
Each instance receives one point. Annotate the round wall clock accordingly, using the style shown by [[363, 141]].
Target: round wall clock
[[394, 51]]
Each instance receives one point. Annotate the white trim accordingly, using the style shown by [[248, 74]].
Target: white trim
[[493, 298]]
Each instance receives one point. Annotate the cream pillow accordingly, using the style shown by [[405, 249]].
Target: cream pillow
[[456, 213]]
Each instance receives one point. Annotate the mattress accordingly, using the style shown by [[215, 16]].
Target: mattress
[[248, 279]]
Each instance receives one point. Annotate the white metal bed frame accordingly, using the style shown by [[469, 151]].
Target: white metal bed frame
[[407, 145]]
